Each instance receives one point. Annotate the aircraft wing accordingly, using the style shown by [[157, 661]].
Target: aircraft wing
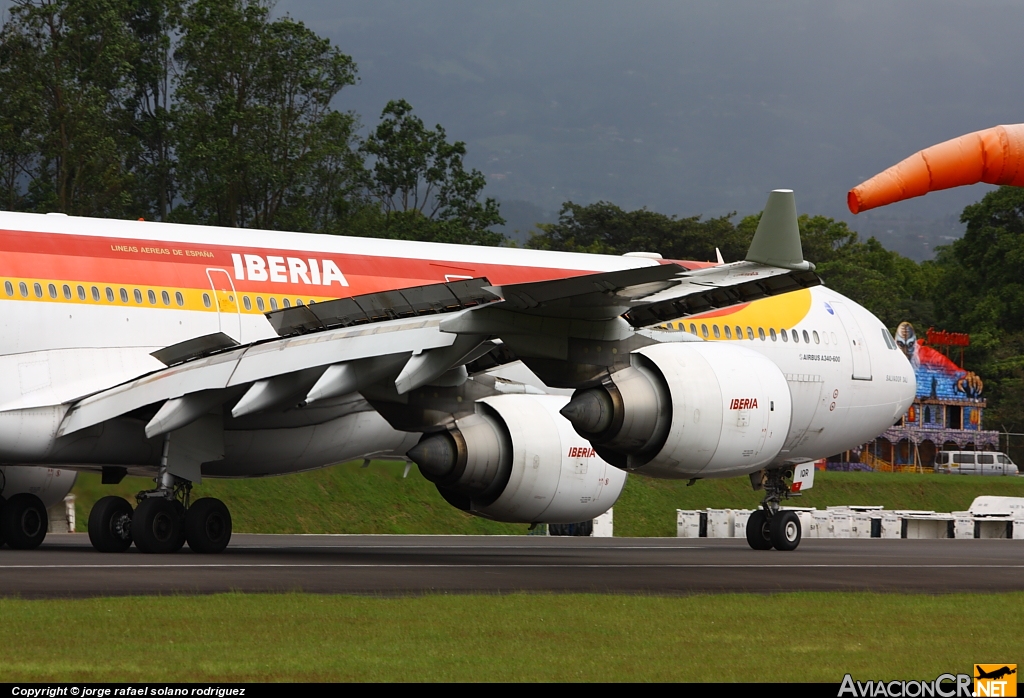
[[411, 337]]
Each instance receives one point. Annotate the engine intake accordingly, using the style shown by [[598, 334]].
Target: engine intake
[[518, 460], [687, 410]]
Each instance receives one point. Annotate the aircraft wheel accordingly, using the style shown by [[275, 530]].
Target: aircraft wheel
[[156, 525], [23, 521], [758, 531], [785, 530], [2, 502], [208, 526], [110, 525]]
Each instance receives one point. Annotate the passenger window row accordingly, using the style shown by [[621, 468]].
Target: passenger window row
[[727, 332], [137, 295]]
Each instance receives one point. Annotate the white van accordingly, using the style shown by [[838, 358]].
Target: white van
[[974, 463]]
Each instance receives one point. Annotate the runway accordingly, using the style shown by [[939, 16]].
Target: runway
[[67, 566]]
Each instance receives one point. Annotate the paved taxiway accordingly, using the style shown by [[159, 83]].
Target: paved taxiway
[[66, 565]]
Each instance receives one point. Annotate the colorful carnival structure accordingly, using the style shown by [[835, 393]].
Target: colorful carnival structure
[[946, 416]]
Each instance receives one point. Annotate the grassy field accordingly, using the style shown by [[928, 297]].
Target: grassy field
[[292, 637], [377, 499]]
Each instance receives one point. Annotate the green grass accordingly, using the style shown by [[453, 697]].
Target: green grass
[[350, 499], [298, 637]]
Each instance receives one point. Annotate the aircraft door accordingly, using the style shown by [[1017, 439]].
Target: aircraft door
[[858, 347], [229, 315]]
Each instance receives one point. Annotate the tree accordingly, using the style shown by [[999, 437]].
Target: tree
[[65, 79], [604, 228], [256, 138], [420, 182]]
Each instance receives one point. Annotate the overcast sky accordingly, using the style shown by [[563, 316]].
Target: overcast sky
[[687, 107]]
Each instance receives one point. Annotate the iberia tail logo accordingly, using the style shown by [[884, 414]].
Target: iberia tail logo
[[995, 680]]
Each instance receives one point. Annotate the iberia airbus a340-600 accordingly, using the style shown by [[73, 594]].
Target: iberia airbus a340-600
[[184, 352]]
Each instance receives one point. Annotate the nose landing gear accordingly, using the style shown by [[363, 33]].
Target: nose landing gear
[[770, 526]]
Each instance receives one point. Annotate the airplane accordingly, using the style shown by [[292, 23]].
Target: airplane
[[995, 673], [184, 352]]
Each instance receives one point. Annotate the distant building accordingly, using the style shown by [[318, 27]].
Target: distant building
[[946, 416]]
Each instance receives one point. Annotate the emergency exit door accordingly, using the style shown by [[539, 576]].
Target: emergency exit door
[[225, 299]]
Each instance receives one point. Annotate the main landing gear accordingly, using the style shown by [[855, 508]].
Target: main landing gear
[[771, 527], [23, 521], [163, 521]]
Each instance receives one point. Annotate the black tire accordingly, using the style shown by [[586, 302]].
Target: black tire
[[759, 535], [110, 525], [208, 526], [3, 501], [156, 525], [785, 527], [23, 521]]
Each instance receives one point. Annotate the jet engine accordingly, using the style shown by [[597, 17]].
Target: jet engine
[[517, 459], [685, 410], [51, 485]]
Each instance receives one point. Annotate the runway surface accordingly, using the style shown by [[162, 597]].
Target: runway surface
[[67, 566]]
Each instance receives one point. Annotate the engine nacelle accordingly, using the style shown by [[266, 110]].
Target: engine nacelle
[[687, 410], [49, 484], [518, 460]]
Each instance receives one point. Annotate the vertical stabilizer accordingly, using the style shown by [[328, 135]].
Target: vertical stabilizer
[[777, 239]]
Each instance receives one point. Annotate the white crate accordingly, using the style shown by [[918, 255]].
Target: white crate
[[1018, 529], [991, 527], [822, 527], [963, 524], [687, 524], [842, 524], [891, 525], [720, 523], [860, 526], [739, 522], [603, 525], [924, 526]]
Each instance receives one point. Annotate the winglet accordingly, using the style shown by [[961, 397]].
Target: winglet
[[777, 239]]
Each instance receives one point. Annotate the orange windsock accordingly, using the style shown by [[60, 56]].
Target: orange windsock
[[993, 156]]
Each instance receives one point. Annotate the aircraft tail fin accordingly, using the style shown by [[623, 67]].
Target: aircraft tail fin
[[777, 239]]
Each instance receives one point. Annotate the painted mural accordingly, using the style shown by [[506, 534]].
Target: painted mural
[[938, 377]]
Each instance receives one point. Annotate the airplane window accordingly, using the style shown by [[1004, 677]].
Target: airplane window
[[796, 337], [834, 340], [728, 332], [124, 296], [718, 335], [246, 302], [704, 330], [151, 297], [179, 299], [807, 339], [771, 331], [206, 299], [693, 329], [750, 333], [53, 290], [23, 288], [760, 333], [824, 335], [259, 303], [67, 292], [785, 335], [739, 332], [81, 293], [110, 294], [298, 301], [273, 304], [165, 297], [38, 289], [138, 295], [311, 302], [9, 287], [287, 303], [95, 293]]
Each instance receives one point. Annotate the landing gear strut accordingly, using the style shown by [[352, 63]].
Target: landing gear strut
[[771, 527]]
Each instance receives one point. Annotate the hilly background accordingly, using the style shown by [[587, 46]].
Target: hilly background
[[690, 107]]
